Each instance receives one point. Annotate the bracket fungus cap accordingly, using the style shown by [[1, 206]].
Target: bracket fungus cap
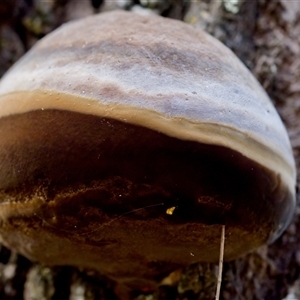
[[126, 141]]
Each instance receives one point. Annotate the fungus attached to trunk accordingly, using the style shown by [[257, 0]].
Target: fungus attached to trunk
[[126, 142]]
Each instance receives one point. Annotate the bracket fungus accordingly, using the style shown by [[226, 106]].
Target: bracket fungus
[[128, 141]]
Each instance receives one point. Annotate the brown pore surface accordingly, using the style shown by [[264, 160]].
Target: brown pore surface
[[83, 190]]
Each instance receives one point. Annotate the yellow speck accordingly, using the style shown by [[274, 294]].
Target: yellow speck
[[170, 210]]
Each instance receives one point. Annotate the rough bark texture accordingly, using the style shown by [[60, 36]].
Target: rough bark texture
[[266, 37]]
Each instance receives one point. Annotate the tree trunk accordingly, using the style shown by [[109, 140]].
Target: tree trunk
[[265, 35]]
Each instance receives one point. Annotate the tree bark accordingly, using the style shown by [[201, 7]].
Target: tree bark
[[265, 35]]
